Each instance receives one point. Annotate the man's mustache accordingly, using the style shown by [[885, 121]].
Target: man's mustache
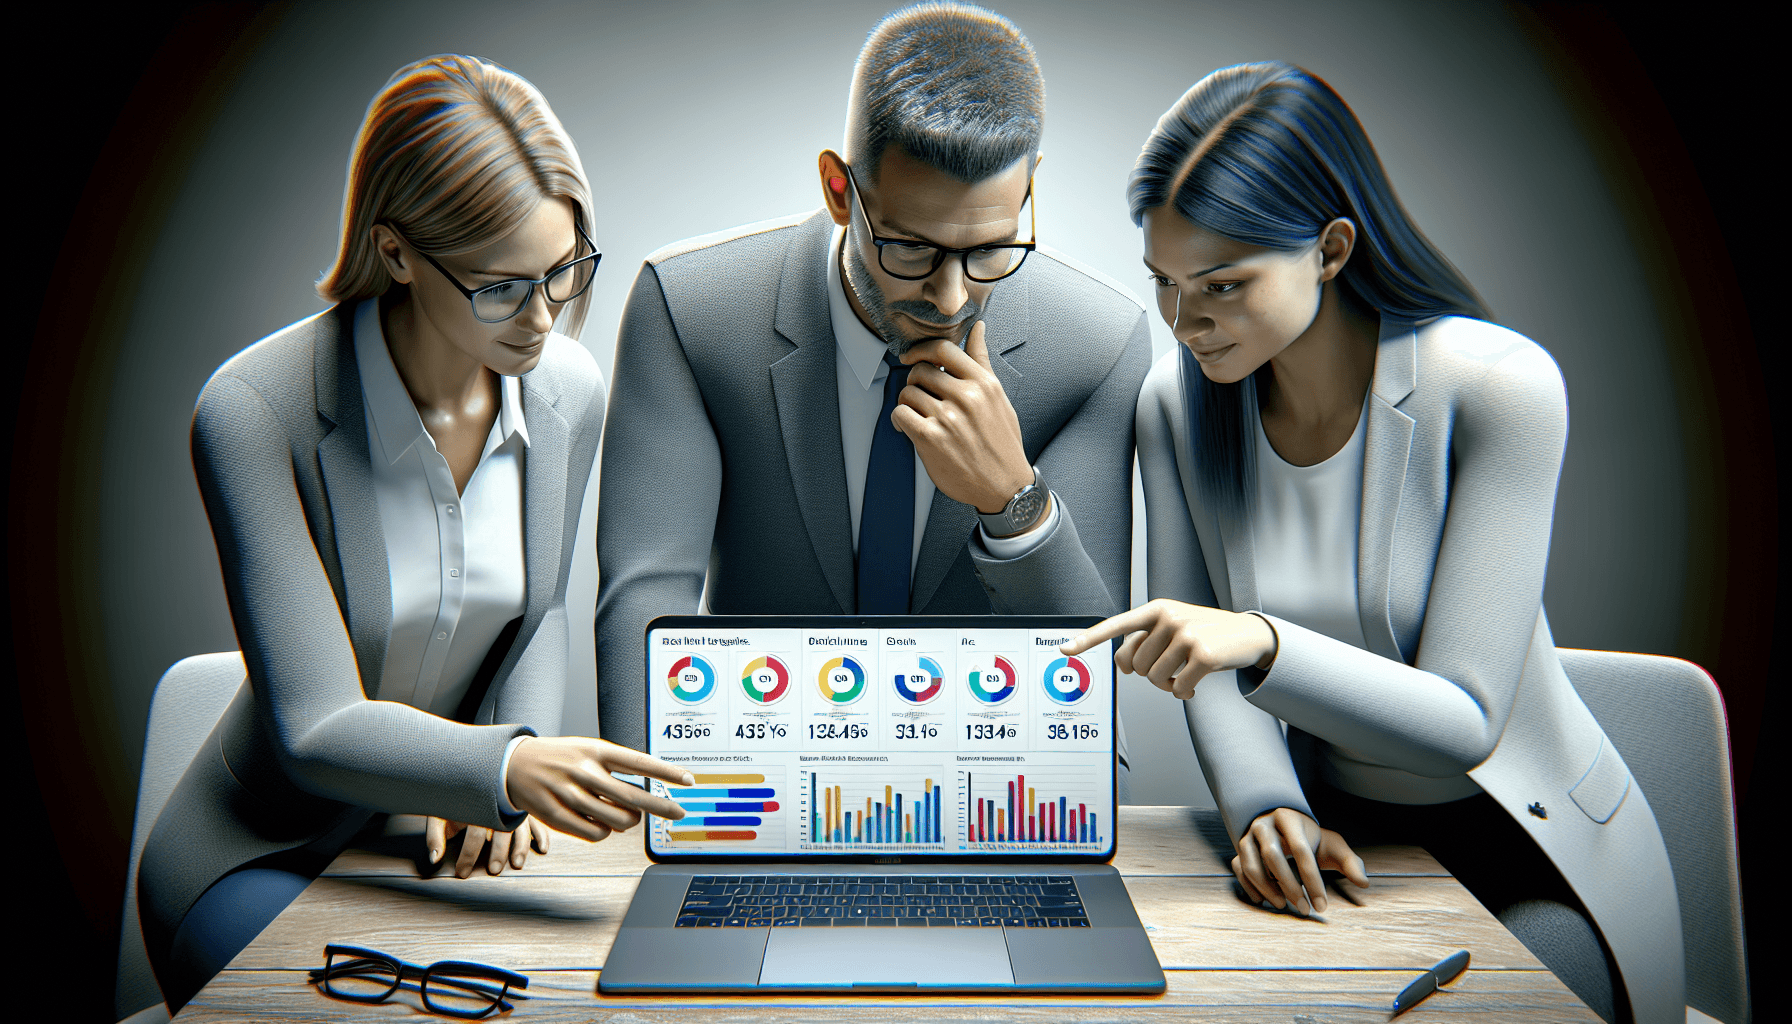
[[927, 313]]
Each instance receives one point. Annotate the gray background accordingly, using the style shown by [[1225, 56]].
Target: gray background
[[697, 116]]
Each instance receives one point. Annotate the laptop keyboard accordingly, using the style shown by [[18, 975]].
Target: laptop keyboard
[[941, 901]]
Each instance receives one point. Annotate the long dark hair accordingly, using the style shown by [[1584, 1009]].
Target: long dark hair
[[1267, 154]]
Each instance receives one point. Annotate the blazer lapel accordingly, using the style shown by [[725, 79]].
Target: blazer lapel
[[354, 509], [544, 500], [1386, 451], [806, 392]]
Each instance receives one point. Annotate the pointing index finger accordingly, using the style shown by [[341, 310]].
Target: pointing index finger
[[633, 762], [1107, 629]]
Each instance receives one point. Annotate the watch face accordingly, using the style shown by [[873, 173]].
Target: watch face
[[1027, 508]]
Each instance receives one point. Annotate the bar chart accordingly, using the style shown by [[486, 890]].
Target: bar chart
[[848, 809], [733, 808], [1051, 809]]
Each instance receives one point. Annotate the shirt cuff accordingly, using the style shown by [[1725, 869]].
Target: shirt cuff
[[1007, 548], [504, 807]]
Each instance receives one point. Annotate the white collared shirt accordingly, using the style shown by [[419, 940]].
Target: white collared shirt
[[456, 560], [860, 372]]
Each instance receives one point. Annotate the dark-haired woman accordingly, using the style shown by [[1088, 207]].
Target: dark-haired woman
[[1349, 476]]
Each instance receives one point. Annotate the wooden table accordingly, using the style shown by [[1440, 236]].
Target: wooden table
[[1225, 960]]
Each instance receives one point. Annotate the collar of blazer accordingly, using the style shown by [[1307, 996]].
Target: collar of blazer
[[805, 390], [1386, 450], [354, 513]]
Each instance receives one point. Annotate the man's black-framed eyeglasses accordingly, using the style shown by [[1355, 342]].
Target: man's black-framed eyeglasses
[[455, 988], [912, 260], [496, 303]]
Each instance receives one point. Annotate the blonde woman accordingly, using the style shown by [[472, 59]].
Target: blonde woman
[[394, 488]]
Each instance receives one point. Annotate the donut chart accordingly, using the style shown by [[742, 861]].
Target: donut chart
[[692, 680], [922, 682], [765, 679], [994, 684], [841, 680], [1067, 680]]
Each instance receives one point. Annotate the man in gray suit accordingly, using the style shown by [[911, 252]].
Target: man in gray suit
[[893, 405]]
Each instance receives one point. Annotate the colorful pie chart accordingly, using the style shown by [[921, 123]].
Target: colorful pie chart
[[841, 680], [922, 682], [994, 684], [1067, 680], [691, 680], [765, 679]]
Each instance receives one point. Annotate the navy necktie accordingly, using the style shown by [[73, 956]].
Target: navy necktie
[[887, 516]]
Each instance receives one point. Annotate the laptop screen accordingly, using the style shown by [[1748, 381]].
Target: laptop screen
[[898, 736]]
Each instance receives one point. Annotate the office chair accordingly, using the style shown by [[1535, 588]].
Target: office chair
[[1666, 719], [189, 699]]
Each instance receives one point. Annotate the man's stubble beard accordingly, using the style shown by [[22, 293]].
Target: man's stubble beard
[[878, 311]]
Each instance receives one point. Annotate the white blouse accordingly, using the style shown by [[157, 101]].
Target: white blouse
[[456, 559], [1306, 536]]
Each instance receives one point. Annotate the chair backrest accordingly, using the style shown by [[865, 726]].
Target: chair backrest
[[189, 700], [1666, 719]]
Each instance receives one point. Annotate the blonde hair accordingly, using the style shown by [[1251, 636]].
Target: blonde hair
[[454, 153]]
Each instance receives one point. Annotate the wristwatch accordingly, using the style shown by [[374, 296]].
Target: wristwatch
[[1022, 510]]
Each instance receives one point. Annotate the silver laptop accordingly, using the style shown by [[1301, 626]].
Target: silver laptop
[[893, 803]]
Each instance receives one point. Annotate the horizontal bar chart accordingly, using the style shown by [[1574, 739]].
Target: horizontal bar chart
[[737, 808]]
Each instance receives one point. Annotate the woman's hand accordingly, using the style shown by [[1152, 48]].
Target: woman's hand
[[565, 781], [1175, 644], [511, 847], [1283, 834]]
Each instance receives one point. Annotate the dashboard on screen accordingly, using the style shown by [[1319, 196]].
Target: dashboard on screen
[[903, 737]]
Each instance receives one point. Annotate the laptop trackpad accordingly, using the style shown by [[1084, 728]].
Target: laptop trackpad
[[929, 957]]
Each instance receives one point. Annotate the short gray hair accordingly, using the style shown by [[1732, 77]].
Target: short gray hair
[[954, 86]]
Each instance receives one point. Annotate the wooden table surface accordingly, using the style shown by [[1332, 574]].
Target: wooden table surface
[[1225, 960]]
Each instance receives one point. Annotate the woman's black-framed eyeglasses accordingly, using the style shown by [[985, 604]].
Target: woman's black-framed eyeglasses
[[912, 260], [496, 303], [455, 988]]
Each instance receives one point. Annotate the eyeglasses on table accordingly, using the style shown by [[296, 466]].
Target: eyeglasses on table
[[455, 988]]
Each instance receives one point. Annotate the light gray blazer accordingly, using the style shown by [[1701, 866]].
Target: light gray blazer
[[1467, 425], [302, 756], [722, 450]]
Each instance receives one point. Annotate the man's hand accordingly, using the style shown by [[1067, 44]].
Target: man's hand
[[1175, 644], [506, 847], [961, 423], [565, 781], [1262, 866]]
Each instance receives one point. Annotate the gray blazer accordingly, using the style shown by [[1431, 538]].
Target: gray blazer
[[722, 453], [1467, 424], [302, 756]]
